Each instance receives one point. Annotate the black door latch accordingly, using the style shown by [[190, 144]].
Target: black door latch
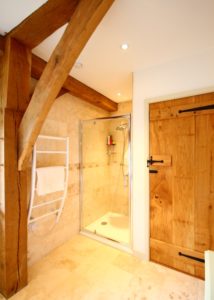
[[150, 161]]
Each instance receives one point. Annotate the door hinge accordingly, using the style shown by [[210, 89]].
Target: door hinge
[[207, 107], [192, 257]]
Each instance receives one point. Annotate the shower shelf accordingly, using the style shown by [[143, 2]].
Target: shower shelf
[[110, 147]]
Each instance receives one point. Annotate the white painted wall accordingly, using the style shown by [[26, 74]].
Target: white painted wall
[[188, 76], [209, 276]]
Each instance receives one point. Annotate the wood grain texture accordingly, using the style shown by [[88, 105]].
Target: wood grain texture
[[161, 184], [71, 85], [15, 96], [14, 60], [44, 21], [170, 109], [2, 256], [2, 40], [182, 194], [204, 178], [168, 255], [83, 23], [75, 87], [183, 181]]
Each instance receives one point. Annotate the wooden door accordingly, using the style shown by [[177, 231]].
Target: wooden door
[[182, 189]]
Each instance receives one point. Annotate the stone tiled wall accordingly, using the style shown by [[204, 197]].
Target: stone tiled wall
[[123, 109], [106, 182], [96, 185], [120, 195], [63, 120], [119, 169]]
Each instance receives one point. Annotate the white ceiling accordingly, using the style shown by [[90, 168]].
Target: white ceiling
[[157, 31]]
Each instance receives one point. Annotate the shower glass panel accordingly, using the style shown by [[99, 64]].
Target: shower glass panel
[[105, 178]]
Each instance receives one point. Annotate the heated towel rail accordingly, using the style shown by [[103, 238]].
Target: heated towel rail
[[61, 199]]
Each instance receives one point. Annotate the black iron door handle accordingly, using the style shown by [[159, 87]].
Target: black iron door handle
[[151, 161]]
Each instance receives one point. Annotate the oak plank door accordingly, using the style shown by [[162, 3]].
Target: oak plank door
[[182, 190]]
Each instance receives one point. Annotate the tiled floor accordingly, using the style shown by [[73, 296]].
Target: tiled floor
[[83, 269], [112, 225]]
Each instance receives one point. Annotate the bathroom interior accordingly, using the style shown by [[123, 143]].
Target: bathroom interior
[[88, 182]]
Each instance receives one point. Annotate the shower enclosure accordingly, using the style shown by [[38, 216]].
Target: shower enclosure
[[105, 178]]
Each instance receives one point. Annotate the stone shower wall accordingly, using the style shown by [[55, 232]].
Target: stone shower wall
[[62, 120]]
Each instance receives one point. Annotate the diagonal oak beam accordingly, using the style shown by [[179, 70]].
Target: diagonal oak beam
[[84, 21], [71, 85], [43, 22], [75, 87]]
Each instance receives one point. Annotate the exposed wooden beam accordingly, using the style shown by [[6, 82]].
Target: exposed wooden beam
[[1, 44], [75, 87], [81, 26], [71, 85], [14, 93], [44, 21]]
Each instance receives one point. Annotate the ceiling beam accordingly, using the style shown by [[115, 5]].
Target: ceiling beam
[[2, 41], [75, 87], [43, 22], [71, 85], [84, 21]]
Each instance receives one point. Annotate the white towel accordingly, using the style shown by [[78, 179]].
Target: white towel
[[50, 180]]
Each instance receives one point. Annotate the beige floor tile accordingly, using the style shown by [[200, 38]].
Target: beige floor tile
[[83, 269]]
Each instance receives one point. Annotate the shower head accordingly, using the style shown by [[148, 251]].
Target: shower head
[[122, 126]]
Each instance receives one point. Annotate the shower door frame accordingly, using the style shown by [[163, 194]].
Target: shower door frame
[[84, 231]]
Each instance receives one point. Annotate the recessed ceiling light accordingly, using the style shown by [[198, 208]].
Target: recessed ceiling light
[[124, 46], [78, 65]]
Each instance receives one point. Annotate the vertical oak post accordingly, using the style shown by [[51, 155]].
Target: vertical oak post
[[15, 83]]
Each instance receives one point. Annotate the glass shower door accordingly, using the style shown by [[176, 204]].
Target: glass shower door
[[105, 180]]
